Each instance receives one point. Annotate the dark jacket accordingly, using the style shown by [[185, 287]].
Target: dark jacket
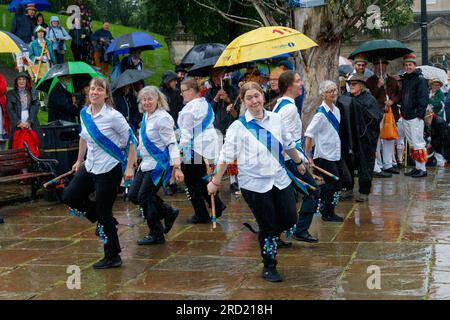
[[101, 33], [439, 131], [127, 105], [391, 88], [22, 25], [222, 118], [14, 108], [60, 105], [127, 64], [77, 41], [447, 108], [414, 95], [174, 99]]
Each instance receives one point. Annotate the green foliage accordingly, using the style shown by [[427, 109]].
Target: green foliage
[[155, 60]]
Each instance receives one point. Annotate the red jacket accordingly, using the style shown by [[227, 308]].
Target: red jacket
[[3, 89]]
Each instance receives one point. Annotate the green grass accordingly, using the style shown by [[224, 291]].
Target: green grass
[[155, 60]]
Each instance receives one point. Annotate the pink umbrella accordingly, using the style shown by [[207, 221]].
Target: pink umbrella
[[344, 61]]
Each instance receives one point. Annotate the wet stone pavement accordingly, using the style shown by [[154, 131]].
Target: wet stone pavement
[[402, 235]]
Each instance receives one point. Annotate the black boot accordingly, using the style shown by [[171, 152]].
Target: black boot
[[270, 273], [269, 245], [170, 216], [198, 203], [150, 239], [111, 246], [107, 263]]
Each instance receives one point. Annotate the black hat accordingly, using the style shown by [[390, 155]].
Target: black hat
[[180, 69], [169, 76]]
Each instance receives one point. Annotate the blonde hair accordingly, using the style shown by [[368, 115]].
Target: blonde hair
[[276, 73], [155, 93], [103, 83], [191, 83], [246, 87]]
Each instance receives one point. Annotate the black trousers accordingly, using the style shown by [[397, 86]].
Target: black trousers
[[329, 193], [274, 211], [105, 185], [143, 192], [309, 204], [197, 191], [364, 164]]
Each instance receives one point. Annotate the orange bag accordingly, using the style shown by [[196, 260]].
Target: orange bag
[[389, 130]]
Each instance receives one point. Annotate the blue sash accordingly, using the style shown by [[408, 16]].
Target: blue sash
[[282, 103], [104, 142], [198, 129], [162, 158], [330, 116], [256, 130]]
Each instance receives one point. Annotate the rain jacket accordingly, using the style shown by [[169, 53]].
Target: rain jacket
[[414, 95], [36, 50], [22, 25], [57, 33], [4, 123]]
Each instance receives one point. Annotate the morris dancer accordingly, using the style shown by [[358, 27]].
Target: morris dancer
[[257, 140], [157, 146], [104, 135], [324, 131], [198, 141], [290, 87]]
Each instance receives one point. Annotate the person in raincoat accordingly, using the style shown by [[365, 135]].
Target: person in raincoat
[[43, 61], [437, 98], [58, 36]]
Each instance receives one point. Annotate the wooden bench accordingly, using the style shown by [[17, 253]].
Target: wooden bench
[[12, 163]]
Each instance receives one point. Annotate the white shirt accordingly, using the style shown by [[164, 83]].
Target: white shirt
[[326, 138], [258, 169], [291, 122], [160, 131], [206, 142], [114, 126]]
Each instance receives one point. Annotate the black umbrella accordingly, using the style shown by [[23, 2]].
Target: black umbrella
[[130, 76], [374, 49], [201, 52], [203, 68]]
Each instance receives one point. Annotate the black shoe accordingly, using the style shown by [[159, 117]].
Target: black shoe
[[195, 220], [283, 244], [271, 274], [381, 174], [410, 173], [332, 218], [419, 174], [149, 239], [170, 219], [392, 170], [106, 263], [2, 220], [306, 237], [234, 187]]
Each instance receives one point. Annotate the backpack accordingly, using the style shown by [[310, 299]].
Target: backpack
[[30, 137]]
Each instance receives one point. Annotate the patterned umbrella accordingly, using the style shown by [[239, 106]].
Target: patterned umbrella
[[10, 43], [137, 40]]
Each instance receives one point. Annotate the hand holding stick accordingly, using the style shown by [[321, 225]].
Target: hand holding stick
[[325, 172], [57, 179], [209, 171]]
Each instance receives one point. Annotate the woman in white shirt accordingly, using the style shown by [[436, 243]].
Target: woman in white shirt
[[158, 148], [265, 183], [324, 132], [104, 135], [199, 142]]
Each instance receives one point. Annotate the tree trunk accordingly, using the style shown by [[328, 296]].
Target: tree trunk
[[319, 63]]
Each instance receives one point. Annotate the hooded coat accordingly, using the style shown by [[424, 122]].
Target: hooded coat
[[173, 96], [58, 33]]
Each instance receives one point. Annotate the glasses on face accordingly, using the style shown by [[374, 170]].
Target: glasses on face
[[352, 84], [331, 91], [184, 90]]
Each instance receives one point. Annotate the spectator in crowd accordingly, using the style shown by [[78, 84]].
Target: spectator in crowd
[[58, 36], [359, 67], [437, 98], [169, 88], [181, 71], [386, 91], [273, 93], [127, 105], [4, 118], [133, 61], [101, 40], [447, 108], [437, 134], [22, 105], [40, 21], [41, 51], [31, 13], [22, 27], [61, 103], [79, 39]]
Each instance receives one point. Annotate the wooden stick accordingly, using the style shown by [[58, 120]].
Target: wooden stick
[[213, 205], [58, 178], [324, 172], [40, 62], [306, 184]]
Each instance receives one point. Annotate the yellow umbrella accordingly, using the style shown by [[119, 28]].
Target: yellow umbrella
[[262, 43], [10, 43]]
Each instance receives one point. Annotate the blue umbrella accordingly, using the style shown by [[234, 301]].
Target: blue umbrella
[[137, 40], [40, 5]]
